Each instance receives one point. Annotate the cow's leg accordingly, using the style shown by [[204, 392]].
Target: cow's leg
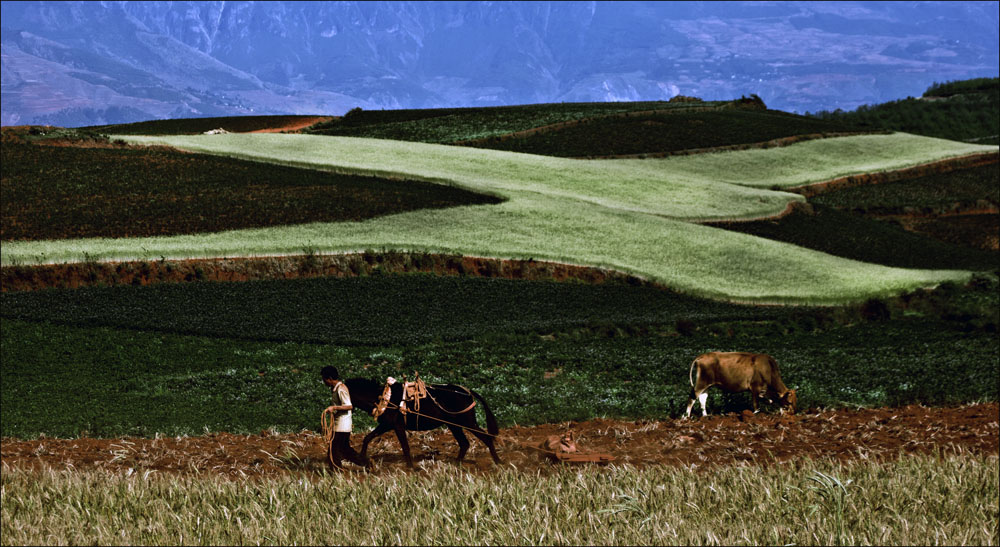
[[703, 399], [753, 400], [691, 399]]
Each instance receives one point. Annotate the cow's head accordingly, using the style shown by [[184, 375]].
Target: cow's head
[[788, 401]]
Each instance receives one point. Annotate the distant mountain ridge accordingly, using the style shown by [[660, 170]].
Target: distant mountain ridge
[[81, 63]]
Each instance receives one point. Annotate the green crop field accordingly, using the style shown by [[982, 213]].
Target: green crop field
[[194, 126], [62, 192], [626, 215], [966, 110], [853, 236], [840, 222], [447, 125], [242, 357], [664, 132], [935, 192]]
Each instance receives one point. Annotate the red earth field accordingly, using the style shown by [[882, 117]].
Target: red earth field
[[735, 439]]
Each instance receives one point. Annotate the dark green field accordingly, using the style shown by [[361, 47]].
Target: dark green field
[[843, 223], [930, 193], [194, 126], [449, 125], [964, 111], [854, 236], [245, 357], [57, 192], [664, 132]]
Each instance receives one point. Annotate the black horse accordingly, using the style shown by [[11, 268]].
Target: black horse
[[448, 402]]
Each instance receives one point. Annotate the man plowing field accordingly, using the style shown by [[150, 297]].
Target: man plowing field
[[339, 430]]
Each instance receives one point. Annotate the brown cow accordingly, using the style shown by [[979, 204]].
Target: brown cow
[[735, 372]]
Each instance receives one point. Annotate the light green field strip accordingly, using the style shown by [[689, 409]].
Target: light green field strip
[[614, 184], [557, 209], [813, 161]]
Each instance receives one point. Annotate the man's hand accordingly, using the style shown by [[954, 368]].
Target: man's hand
[[337, 408]]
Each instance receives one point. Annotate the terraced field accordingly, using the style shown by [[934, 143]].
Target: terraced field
[[194, 126], [661, 132], [66, 192], [452, 125], [628, 215], [228, 369]]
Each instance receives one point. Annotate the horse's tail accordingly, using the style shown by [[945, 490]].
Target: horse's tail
[[491, 420]]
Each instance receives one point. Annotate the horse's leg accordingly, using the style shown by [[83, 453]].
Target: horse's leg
[[489, 441], [463, 441], [400, 428], [380, 429]]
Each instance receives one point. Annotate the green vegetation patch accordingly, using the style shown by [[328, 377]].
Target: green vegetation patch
[[926, 194], [194, 126], [379, 310], [854, 236], [447, 125], [613, 214], [245, 357], [967, 111], [838, 222], [663, 132], [801, 503], [959, 87], [57, 192]]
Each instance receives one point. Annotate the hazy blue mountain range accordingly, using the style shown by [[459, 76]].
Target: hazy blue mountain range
[[82, 63]]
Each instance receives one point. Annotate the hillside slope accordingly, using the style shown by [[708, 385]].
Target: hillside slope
[[628, 215]]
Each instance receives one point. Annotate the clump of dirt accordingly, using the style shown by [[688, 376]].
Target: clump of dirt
[[735, 439], [74, 275]]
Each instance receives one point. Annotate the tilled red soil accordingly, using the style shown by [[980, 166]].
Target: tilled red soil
[[296, 126], [735, 439]]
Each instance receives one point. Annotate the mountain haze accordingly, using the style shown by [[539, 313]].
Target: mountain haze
[[83, 63]]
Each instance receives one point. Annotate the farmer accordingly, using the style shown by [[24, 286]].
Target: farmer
[[340, 443]]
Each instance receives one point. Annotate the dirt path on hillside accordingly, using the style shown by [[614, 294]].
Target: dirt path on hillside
[[735, 439], [292, 127]]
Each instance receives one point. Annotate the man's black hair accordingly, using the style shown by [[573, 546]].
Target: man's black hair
[[330, 372]]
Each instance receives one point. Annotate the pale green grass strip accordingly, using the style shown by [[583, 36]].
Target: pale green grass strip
[[916, 500], [813, 161], [611, 214], [613, 184]]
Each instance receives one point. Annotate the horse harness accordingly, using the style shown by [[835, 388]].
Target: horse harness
[[413, 392], [557, 448]]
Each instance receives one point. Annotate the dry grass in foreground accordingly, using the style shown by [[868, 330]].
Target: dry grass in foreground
[[927, 499]]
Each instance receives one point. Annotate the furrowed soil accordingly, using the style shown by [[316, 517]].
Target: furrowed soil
[[734, 439]]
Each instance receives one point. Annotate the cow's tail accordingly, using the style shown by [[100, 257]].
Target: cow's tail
[[691, 373], [491, 421]]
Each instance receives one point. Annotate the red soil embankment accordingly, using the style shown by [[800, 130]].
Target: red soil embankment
[[27, 278]]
